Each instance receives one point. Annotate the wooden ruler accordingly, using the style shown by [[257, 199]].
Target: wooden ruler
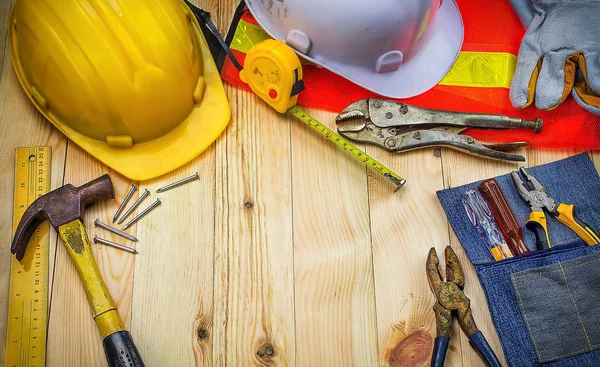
[[28, 298]]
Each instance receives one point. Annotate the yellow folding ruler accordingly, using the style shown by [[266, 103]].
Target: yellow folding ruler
[[274, 72], [28, 298]]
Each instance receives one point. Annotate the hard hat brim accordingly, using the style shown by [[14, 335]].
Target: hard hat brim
[[144, 161], [417, 75]]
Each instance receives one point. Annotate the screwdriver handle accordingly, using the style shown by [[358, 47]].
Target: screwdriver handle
[[538, 225], [566, 215], [505, 218]]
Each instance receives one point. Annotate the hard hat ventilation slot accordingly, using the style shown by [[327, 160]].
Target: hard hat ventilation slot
[[199, 90], [389, 61], [299, 41], [42, 102], [119, 141]]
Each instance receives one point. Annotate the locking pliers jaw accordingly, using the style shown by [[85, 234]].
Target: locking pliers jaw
[[399, 127]]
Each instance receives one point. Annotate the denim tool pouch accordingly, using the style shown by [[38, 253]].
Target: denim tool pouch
[[545, 305]]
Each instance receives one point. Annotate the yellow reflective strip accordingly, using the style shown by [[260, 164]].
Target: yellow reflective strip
[[481, 69], [471, 69], [247, 35]]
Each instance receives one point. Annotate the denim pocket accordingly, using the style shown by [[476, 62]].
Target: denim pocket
[[559, 304], [521, 301]]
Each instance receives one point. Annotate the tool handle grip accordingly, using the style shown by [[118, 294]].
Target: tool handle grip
[[504, 216], [484, 350], [566, 215], [537, 224], [440, 347], [118, 345], [121, 351]]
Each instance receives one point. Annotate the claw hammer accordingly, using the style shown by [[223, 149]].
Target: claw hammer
[[64, 208]]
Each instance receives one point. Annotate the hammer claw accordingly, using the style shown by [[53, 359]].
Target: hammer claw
[[60, 206], [28, 224]]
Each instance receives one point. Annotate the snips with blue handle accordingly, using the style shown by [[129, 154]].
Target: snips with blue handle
[[451, 301]]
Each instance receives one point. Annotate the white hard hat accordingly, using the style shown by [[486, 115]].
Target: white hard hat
[[396, 48]]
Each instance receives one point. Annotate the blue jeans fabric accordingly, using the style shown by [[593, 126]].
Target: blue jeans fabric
[[569, 289], [571, 181]]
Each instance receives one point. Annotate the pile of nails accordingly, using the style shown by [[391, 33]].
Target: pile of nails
[[135, 219]]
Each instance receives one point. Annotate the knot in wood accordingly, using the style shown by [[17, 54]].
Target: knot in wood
[[202, 333], [414, 350], [266, 351]]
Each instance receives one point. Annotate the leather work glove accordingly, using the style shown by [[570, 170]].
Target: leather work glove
[[563, 35], [524, 10]]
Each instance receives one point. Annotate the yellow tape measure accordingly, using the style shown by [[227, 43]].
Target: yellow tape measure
[[273, 71], [28, 298]]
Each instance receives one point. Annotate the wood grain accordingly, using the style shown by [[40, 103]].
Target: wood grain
[[335, 308], [20, 126], [173, 272], [254, 310], [5, 6], [404, 226]]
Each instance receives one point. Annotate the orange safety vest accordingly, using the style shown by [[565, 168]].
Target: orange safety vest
[[479, 80]]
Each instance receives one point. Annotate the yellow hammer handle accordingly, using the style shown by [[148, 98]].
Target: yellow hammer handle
[[103, 307], [566, 215]]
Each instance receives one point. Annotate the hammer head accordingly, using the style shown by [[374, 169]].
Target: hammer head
[[60, 206]]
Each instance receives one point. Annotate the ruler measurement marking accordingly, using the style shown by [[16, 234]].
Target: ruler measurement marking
[[28, 349], [21, 336], [27, 330]]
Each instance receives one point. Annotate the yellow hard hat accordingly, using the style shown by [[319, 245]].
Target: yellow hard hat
[[132, 82]]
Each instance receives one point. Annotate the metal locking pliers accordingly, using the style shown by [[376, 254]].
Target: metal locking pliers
[[399, 127]]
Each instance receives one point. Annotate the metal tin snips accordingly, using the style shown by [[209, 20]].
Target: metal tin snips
[[399, 127], [452, 301]]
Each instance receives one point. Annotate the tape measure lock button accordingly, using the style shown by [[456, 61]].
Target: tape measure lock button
[[273, 93]]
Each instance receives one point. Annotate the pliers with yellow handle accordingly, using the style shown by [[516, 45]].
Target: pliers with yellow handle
[[536, 195]]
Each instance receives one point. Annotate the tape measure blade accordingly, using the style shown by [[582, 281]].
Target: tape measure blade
[[28, 290], [347, 146]]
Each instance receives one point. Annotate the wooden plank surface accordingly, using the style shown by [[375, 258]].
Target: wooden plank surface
[[286, 252], [335, 308], [404, 226], [253, 279], [4, 13]]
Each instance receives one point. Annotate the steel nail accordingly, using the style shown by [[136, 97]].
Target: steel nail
[[135, 205], [115, 245], [122, 206], [179, 183], [143, 213], [97, 223]]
